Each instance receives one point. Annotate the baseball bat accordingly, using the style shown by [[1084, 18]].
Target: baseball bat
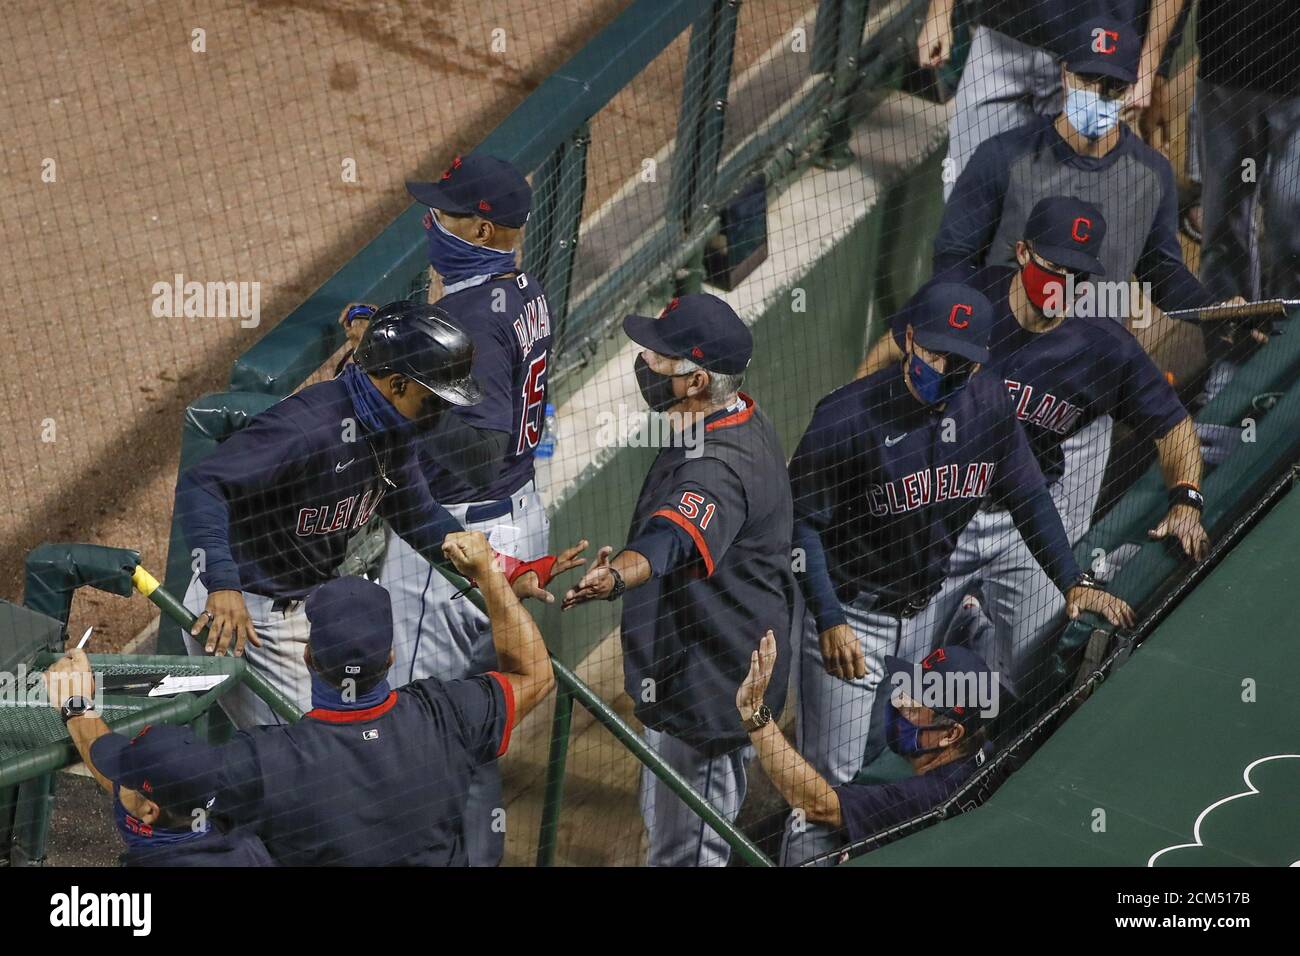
[[1242, 310]]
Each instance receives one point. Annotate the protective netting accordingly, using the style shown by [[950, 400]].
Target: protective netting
[[906, 391]]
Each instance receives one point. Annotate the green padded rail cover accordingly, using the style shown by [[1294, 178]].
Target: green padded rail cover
[[54, 571]]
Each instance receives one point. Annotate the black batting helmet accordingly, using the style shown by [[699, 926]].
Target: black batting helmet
[[422, 342]]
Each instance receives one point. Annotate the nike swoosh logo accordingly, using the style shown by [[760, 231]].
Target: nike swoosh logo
[[343, 464], [891, 442]]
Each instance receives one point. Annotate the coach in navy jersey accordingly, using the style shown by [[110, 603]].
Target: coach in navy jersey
[[374, 776], [1062, 372], [890, 470], [271, 510], [706, 570], [478, 462]]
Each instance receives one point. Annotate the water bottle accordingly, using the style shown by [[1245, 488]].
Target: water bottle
[[546, 447]]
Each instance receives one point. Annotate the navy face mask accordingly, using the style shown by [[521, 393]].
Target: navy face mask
[[904, 737], [934, 386], [456, 260], [137, 834]]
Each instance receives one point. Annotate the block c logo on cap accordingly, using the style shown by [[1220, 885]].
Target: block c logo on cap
[[1079, 234], [1100, 36], [952, 316], [937, 656]]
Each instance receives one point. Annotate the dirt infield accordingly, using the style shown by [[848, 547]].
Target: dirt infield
[[223, 165]]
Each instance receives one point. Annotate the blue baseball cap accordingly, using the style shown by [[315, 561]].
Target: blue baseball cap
[[958, 671], [1105, 46], [166, 764], [952, 318], [699, 327], [479, 185], [1068, 231], [351, 629]]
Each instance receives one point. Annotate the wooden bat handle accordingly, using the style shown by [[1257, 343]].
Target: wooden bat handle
[[1244, 310]]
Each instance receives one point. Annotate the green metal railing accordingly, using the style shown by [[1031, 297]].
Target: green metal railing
[[814, 129], [569, 688], [52, 577], [33, 741]]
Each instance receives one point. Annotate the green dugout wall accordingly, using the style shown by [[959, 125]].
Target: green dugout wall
[[1157, 768]]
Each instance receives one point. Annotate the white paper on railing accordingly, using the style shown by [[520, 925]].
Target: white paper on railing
[[172, 684]]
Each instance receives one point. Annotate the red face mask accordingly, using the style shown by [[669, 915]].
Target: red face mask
[[1041, 285]]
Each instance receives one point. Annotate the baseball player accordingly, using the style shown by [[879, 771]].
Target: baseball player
[[271, 510], [479, 461], [1011, 75], [1089, 154], [890, 471], [374, 776], [942, 735], [1062, 372], [705, 572]]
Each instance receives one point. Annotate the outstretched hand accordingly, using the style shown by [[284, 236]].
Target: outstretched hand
[[470, 553], [527, 585], [596, 585], [749, 696]]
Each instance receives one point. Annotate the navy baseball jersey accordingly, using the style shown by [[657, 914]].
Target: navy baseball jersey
[[1062, 380], [868, 809], [273, 507], [884, 485], [510, 323], [382, 786], [688, 632]]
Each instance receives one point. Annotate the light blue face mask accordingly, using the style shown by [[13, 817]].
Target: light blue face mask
[[1090, 113]]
